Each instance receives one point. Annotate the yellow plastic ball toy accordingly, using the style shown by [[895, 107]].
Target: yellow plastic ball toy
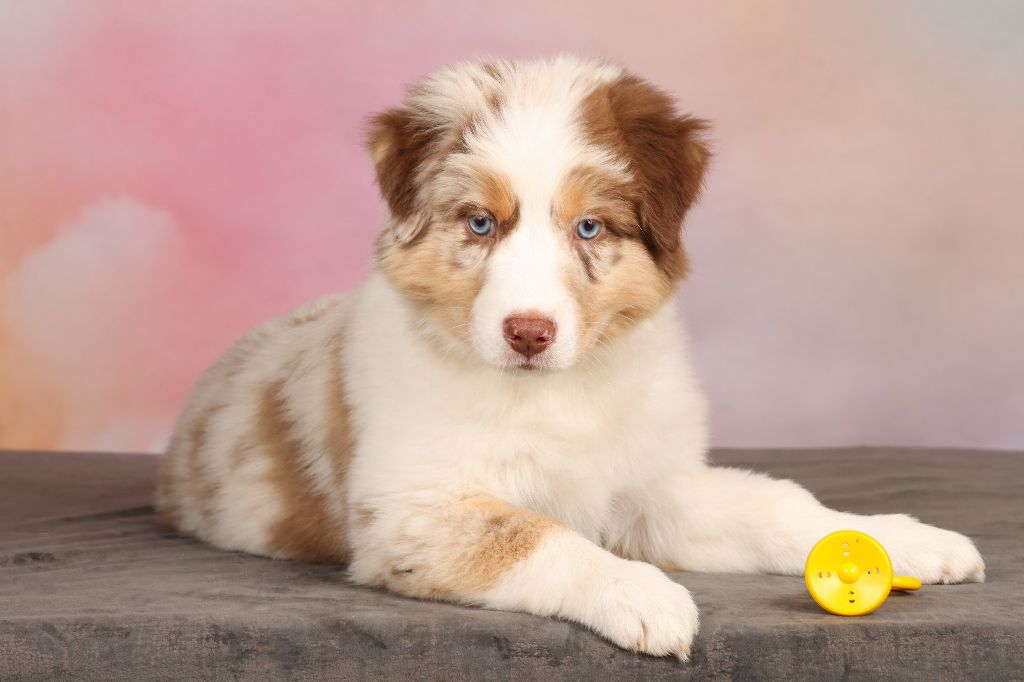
[[849, 574]]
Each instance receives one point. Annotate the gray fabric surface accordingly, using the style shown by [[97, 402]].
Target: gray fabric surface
[[92, 587]]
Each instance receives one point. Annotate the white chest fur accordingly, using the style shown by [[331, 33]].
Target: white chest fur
[[572, 445]]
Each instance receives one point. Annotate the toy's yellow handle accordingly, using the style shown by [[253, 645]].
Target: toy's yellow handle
[[905, 582]]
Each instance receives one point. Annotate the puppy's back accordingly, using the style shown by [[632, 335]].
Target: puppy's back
[[258, 459]]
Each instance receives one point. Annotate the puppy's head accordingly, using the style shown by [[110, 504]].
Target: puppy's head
[[535, 207]]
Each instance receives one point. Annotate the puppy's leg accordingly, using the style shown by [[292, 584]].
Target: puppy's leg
[[479, 550], [729, 520]]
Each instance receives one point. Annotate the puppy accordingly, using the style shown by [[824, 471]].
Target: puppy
[[504, 413]]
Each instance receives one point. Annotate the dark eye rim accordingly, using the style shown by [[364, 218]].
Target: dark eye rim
[[600, 228]]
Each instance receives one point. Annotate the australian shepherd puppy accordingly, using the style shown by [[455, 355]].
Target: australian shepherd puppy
[[504, 413]]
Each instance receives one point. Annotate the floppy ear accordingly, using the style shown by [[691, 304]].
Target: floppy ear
[[399, 146], [665, 150]]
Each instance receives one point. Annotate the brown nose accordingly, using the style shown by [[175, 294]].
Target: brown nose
[[528, 335]]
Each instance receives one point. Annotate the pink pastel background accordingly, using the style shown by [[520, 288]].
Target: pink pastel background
[[172, 173]]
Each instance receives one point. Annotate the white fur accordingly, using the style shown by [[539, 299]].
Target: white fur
[[610, 442], [534, 141], [631, 603]]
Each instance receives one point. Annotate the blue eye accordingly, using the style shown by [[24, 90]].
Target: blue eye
[[588, 228], [481, 225]]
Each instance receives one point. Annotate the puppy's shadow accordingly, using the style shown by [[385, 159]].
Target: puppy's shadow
[[802, 605], [807, 606]]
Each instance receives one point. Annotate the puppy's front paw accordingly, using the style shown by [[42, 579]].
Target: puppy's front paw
[[638, 607], [932, 554]]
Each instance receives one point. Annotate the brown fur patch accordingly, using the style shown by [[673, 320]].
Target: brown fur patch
[[399, 144], [509, 535], [489, 83], [469, 187], [664, 149], [196, 481], [429, 273], [364, 516], [443, 268], [478, 539], [204, 487], [629, 292], [594, 192], [306, 529], [493, 71], [307, 316], [407, 152], [497, 197]]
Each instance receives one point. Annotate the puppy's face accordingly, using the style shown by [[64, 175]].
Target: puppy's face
[[536, 207]]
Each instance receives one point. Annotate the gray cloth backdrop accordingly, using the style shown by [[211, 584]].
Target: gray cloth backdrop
[[92, 587]]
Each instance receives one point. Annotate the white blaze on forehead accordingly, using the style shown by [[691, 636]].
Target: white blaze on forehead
[[525, 277], [534, 139]]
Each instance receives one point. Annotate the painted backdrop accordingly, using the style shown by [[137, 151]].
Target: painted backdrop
[[172, 173]]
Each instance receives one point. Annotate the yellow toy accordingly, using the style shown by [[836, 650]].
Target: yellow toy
[[849, 574]]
